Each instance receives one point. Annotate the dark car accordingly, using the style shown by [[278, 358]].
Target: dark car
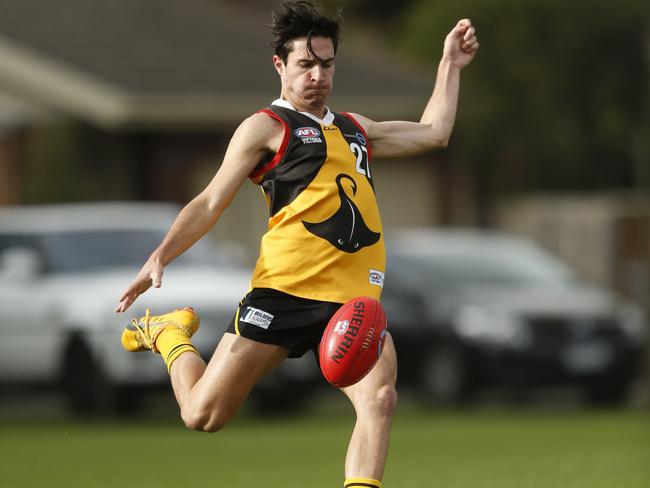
[[470, 309]]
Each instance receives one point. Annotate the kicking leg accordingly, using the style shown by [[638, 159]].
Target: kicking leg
[[210, 395], [374, 399]]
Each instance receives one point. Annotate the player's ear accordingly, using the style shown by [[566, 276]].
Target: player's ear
[[279, 64]]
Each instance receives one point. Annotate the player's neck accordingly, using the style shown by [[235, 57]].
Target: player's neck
[[319, 112]]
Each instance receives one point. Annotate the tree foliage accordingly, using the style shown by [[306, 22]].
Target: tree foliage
[[557, 97]]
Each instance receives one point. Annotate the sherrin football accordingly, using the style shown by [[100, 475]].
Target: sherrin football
[[352, 341]]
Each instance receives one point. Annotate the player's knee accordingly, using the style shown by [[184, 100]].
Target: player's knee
[[194, 419], [204, 420], [387, 397], [214, 424], [382, 402]]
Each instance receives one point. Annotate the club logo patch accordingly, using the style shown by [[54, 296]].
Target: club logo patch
[[257, 317], [345, 229], [376, 278], [308, 135]]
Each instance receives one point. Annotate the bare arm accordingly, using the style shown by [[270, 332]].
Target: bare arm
[[401, 138], [255, 137]]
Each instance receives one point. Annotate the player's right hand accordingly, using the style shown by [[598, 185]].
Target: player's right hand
[[461, 44], [150, 275]]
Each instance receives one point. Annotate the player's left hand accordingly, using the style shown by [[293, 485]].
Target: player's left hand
[[461, 44], [150, 275]]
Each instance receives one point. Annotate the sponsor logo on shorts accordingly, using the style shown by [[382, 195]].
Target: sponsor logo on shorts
[[257, 317], [360, 137], [308, 135], [376, 277], [341, 327]]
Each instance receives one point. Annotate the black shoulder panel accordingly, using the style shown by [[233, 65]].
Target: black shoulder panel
[[304, 156]]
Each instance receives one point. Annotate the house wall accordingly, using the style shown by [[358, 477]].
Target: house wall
[[605, 236]]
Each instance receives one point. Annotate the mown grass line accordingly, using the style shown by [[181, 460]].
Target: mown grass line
[[518, 449]]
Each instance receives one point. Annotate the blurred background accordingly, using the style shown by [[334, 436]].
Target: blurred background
[[519, 266]]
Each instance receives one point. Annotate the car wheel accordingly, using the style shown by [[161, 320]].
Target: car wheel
[[277, 403], [86, 389], [82, 380], [607, 394], [446, 377]]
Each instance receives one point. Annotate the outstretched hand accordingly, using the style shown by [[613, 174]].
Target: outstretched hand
[[461, 44], [150, 275]]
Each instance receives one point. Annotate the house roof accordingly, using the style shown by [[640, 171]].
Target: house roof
[[156, 62]]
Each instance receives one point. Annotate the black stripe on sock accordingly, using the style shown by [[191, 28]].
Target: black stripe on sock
[[177, 347], [370, 485]]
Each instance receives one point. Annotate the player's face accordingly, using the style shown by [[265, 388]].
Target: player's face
[[306, 81]]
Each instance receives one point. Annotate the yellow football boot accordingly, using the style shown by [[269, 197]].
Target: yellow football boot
[[141, 335]]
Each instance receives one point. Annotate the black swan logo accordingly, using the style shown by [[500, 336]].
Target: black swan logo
[[346, 229]]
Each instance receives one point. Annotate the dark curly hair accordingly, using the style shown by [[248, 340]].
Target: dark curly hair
[[301, 19]]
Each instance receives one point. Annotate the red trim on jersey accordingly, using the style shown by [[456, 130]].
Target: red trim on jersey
[[354, 121], [281, 151]]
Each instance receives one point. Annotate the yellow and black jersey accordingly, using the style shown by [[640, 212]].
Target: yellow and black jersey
[[324, 239]]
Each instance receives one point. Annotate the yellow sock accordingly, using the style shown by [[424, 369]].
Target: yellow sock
[[172, 343], [363, 482]]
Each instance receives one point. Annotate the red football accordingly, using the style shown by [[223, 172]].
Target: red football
[[352, 341]]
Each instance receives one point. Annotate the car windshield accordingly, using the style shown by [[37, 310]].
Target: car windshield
[[511, 264], [79, 251]]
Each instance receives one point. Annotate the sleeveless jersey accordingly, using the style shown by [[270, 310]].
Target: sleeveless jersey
[[324, 239]]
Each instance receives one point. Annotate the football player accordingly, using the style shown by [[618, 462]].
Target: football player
[[314, 166]]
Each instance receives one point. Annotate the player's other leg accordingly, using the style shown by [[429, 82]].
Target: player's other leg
[[208, 395], [374, 399]]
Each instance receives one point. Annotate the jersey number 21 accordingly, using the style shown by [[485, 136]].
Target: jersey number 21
[[361, 153]]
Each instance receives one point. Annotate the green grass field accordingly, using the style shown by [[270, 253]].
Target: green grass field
[[472, 449]]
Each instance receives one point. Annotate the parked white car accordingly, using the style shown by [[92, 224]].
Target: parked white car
[[62, 269]]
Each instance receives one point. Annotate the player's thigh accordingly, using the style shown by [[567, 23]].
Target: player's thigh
[[381, 377], [235, 367]]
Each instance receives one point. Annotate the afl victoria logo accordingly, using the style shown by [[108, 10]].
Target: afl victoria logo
[[307, 132]]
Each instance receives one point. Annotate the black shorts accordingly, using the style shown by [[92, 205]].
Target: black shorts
[[273, 317]]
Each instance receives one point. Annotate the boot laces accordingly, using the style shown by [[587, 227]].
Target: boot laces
[[145, 333]]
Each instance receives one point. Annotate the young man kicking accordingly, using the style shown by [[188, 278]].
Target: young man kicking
[[314, 168]]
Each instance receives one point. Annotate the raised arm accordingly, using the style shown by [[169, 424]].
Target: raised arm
[[400, 138], [255, 137]]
